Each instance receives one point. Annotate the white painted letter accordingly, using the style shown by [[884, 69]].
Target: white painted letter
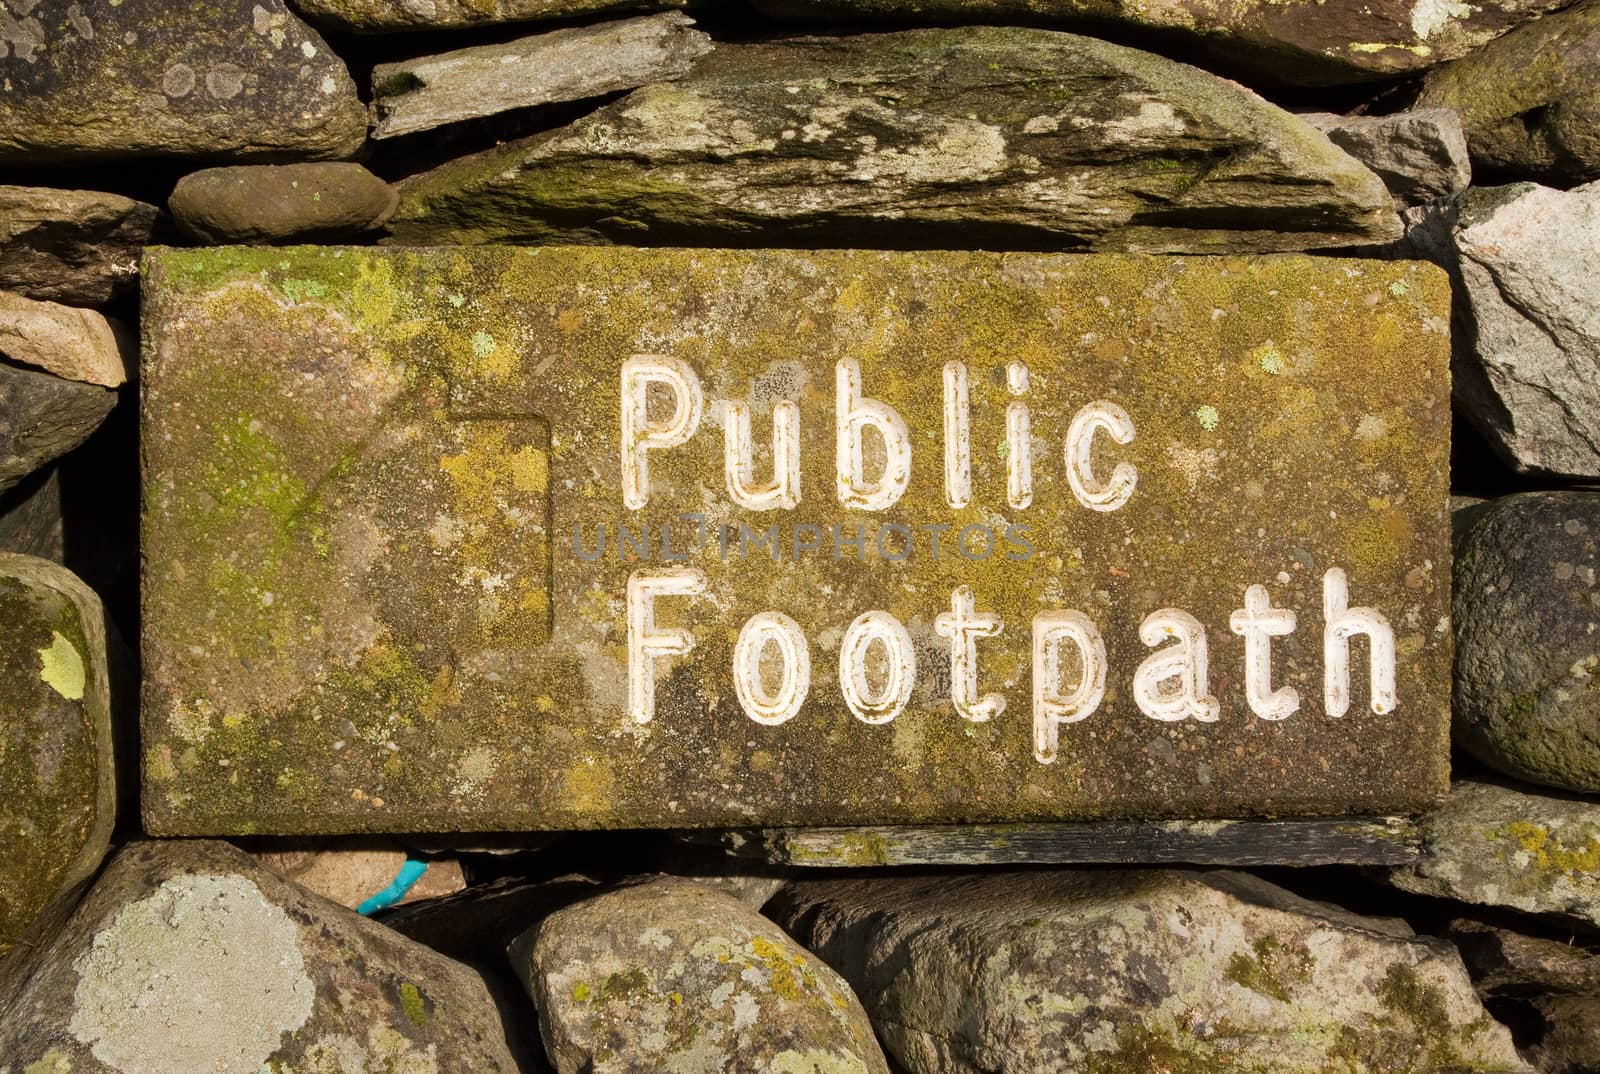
[[738, 457], [762, 706], [1080, 450], [1340, 624], [639, 435], [645, 640], [957, 436], [852, 416], [885, 704], [1019, 440], [1260, 622], [1050, 708], [963, 626], [1184, 661]]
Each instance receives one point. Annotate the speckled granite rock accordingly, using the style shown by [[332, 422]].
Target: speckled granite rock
[[209, 78], [381, 16], [1420, 155], [1526, 604], [1500, 847], [76, 344], [1089, 970], [43, 417], [1529, 374], [80, 247], [280, 203], [979, 136], [57, 778], [558, 65], [1530, 102], [672, 975], [1299, 42], [237, 971]]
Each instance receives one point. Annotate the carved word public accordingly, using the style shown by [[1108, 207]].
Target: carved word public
[[1171, 684]]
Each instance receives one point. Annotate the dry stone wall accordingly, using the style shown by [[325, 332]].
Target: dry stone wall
[[1458, 134]]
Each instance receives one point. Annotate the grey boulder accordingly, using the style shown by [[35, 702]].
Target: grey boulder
[[190, 956], [1495, 846], [1529, 376], [558, 65], [1525, 605], [671, 975], [1088, 970], [220, 78], [1421, 155], [271, 203], [80, 247], [982, 136]]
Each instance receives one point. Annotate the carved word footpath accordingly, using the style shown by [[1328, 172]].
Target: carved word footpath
[[515, 538]]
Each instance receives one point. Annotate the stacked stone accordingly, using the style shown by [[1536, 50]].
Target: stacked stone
[[994, 124]]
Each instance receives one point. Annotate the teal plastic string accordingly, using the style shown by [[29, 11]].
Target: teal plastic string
[[408, 875]]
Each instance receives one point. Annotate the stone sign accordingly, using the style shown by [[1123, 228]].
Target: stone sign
[[492, 538]]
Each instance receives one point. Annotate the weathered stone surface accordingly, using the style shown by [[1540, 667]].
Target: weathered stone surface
[[1385, 840], [1499, 847], [214, 78], [76, 344], [1508, 963], [558, 65], [42, 417], [76, 246], [190, 956], [1526, 660], [1529, 261], [280, 202], [980, 136], [671, 975], [380, 16], [1569, 1037], [374, 600], [1530, 102], [1299, 42], [349, 872], [1421, 155], [1067, 971], [56, 774]]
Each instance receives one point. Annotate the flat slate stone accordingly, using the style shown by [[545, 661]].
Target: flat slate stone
[[214, 78], [558, 65], [1293, 42], [80, 247], [42, 417], [994, 137], [377, 597], [56, 774], [382, 16]]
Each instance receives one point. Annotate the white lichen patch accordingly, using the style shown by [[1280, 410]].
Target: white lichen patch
[[202, 974], [1431, 16]]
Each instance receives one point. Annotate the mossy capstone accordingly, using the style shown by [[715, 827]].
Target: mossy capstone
[[396, 577]]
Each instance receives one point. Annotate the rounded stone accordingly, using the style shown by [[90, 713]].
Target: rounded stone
[[279, 203], [671, 975], [56, 773], [1527, 620]]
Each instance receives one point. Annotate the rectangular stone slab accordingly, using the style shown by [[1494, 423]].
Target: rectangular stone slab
[[375, 482]]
